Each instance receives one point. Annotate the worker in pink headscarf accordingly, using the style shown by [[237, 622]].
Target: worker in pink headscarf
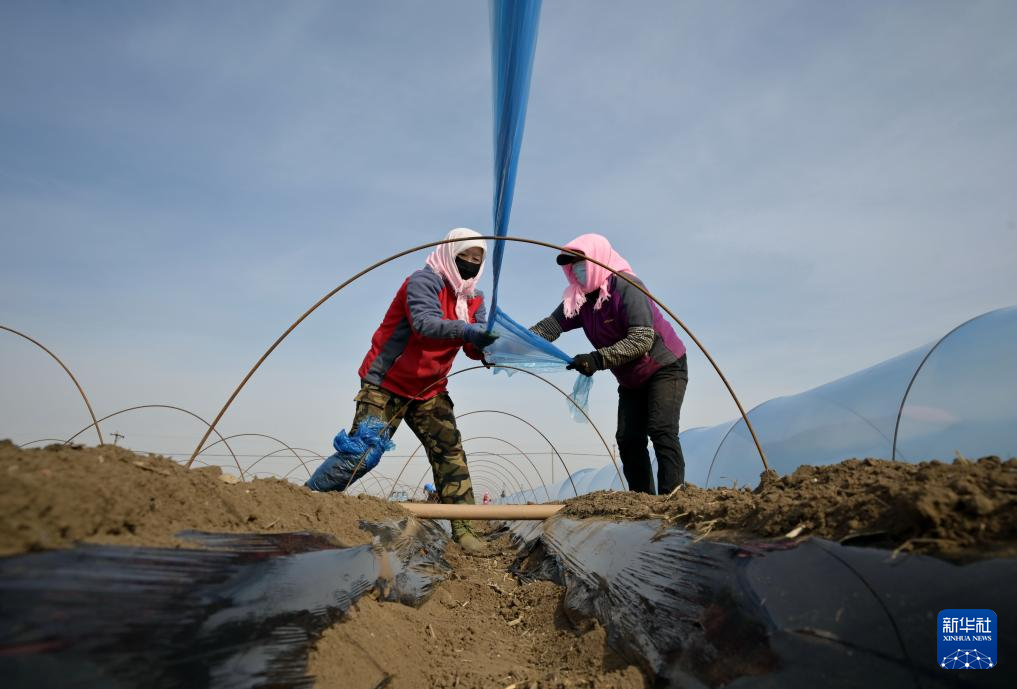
[[644, 353]]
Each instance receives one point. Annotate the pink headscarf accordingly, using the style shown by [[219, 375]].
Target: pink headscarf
[[443, 261], [597, 247]]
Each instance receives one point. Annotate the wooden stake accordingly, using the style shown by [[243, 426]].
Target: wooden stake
[[431, 510]]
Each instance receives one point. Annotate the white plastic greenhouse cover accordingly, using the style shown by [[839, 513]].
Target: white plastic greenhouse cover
[[955, 395], [603, 479], [579, 478]]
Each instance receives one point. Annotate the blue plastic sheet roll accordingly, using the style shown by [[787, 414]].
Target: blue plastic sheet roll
[[513, 44]]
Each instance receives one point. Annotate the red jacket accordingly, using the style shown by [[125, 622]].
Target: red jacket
[[414, 347]]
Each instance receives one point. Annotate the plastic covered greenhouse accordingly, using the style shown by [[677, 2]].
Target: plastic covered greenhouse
[[953, 396]]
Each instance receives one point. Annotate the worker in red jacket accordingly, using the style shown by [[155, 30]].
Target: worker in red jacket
[[437, 311]]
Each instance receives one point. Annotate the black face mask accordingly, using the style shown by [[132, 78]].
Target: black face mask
[[467, 270]]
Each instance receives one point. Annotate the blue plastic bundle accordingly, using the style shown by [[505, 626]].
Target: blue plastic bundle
[[517, 346], [355, 456]]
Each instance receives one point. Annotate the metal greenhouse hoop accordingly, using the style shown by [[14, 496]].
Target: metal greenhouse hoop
[[530, 373], [427, 245], [488, 465], [163, 406], [469, 463], [918, 369], [81, 391], [477, 457], [42, 440], [540, 432], [466, 440], [252, 435]]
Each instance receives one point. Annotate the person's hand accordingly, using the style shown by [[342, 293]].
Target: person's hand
[[587, 364], [478, 336]]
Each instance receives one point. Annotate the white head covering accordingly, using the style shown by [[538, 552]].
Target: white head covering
[[443, 261]]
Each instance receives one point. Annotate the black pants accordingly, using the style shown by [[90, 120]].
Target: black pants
[[651, 412]]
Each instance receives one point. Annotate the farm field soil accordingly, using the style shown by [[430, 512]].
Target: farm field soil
[[58, 495], [481, 628], [961, 510]]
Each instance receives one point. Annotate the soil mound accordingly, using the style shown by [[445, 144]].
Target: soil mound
[[58, 495], [964, 510], [480, 628]]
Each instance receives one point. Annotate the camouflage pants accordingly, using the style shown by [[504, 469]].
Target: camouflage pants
[[434, 424]]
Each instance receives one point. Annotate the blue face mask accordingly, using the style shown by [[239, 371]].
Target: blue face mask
[[579, 272]]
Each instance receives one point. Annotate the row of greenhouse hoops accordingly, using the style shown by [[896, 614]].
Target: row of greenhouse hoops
[[211, 427]]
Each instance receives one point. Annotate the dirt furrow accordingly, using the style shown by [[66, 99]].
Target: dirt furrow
[[481, 628]]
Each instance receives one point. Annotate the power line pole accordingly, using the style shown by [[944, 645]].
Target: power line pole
[[117, 435]]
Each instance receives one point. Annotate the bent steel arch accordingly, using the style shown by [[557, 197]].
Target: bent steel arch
[[377, 482], [500, 469], [41, 440], [487, 482], [380, 479], [253, 435], [478, 459], [394, 485], [264, 474], [824, 398], [517, 449], [469, 462], [487, 479], [291, 470], [507, 463], [81, 391], [488, 467], [382, 475], [409, 459], [716, 452], [281, 449], [428, 245], [540, 432], [163, 406], [529, 373], [464, 441], [918, 369]]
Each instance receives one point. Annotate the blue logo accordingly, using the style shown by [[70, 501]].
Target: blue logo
[[967, 639]]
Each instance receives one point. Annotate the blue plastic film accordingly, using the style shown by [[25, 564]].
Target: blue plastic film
[[513, 43], [517, 346], [580, 398]]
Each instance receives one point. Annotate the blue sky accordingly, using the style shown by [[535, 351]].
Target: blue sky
[[813, 187]]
